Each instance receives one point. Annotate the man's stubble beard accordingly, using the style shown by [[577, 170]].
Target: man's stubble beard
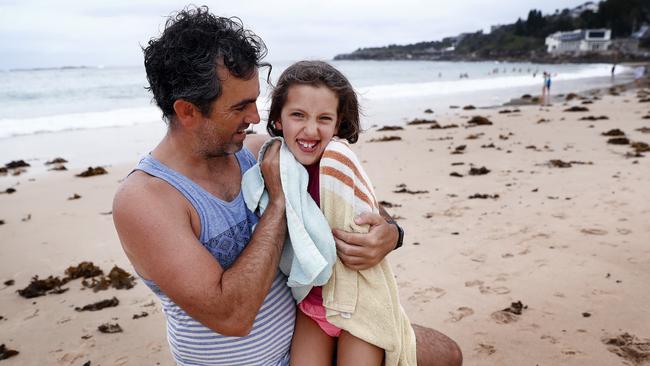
[[210, 147]]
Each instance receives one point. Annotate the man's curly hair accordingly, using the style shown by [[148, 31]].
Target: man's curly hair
[[182, 63]]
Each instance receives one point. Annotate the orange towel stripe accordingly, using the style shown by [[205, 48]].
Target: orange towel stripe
[[335, 155], [343, 178]]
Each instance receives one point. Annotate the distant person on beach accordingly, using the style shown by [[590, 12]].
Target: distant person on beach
[[546, 89], [639, 72], [315, 110], [182, 220], [613, 70]]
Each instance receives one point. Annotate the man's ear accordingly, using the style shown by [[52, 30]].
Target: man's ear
[[187, 114]]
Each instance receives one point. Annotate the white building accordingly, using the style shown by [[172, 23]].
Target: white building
[[579, 41]]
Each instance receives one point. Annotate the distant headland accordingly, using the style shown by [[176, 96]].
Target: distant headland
[[609, 31]]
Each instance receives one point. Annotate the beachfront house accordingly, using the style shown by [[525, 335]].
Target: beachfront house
[[579, 41]]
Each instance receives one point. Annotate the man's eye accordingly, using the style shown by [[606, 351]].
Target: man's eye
[[326, 118]]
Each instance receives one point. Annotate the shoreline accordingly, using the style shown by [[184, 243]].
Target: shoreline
[[96, 146]]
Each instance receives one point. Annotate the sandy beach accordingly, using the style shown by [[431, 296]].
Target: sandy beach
[[537, 214]]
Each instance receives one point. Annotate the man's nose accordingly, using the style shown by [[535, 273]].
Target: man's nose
[[254, 115]]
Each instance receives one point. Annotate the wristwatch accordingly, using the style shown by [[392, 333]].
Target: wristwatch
[[400, 236]]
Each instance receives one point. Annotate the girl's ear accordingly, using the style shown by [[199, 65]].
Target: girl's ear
[[278, 125]]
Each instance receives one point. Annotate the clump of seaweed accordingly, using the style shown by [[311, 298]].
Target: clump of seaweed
[[110, 328], [92, 172], [6, 352], [83, 269], [99, 305], [38, 287], [93, 277]]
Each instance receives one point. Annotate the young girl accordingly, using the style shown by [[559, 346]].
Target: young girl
[[314, 108]]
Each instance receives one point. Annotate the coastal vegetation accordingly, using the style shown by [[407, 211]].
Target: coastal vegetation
[[525, 38]]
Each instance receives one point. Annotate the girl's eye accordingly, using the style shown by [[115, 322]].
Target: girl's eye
[[326, 118], [296, 114]]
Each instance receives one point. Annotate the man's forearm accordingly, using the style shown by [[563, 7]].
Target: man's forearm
[[249, 279]]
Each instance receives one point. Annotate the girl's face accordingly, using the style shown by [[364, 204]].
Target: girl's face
[[308, 121]]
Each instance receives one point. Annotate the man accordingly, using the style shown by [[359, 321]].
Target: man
[[182, 220]]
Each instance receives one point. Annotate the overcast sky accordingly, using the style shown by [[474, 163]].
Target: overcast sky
[[86, 32]]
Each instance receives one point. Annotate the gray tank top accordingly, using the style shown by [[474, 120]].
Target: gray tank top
[[225, 232]]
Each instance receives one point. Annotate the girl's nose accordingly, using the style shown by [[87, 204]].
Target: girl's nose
[[311, 129]]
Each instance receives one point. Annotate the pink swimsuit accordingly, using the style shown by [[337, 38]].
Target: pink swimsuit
[[312, 305]]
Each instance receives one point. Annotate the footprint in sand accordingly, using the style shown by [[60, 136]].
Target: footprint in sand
[[510, 314], [501, 277], [541, 263], [570, 352], [34, 315], [525, 251], [593, 231], [550, 338], [623, 231], [454, 211], [473, 283], [155, 347], [499, 290], [504, 317], [424, 296], [485, 349], [479, 258], [460, 313], [70, 358], [122, 361]]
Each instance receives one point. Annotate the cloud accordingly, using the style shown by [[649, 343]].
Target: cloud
[[75, 32]]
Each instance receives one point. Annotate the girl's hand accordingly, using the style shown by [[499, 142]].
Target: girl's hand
[[361, 251], [270, 167]]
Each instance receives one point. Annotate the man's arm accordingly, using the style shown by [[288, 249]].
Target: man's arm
[[154, 226], [361, 251]]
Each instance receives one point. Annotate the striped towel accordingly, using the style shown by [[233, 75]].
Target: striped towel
[[364, 303]]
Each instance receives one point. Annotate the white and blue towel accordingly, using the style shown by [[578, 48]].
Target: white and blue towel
[[309, 251]]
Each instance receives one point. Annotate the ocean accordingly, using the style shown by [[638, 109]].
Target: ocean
[[104, 116], [55, 100]]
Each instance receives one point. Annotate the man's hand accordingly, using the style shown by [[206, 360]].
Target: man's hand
[[361, 251], [270, 167]]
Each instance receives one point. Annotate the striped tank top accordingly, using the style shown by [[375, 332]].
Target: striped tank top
[[225, 232]]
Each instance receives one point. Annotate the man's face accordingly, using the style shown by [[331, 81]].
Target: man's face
[[223, 130]]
